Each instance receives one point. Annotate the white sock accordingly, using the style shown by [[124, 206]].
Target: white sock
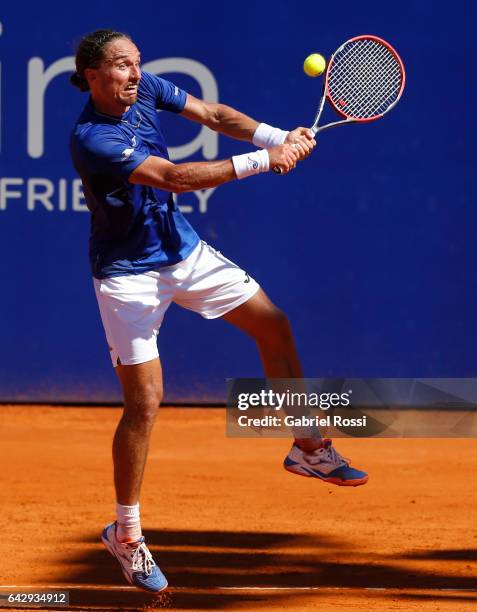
[[129, 523]]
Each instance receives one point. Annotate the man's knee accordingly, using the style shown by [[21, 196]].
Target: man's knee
[[142, 404], [274, 329]]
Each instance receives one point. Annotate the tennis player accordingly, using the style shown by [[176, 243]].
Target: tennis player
[[145, 255]]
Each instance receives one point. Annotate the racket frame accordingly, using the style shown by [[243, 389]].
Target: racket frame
[[326, 92]]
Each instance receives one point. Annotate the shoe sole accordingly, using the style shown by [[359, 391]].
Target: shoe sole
[[336, 481], [110, 549]]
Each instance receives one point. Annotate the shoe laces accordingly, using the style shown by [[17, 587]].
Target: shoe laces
[[326, 453], [142, 560]]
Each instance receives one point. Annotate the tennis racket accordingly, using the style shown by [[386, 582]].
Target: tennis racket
[[364, 80]]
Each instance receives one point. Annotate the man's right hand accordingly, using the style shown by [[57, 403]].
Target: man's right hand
[[284, 157]]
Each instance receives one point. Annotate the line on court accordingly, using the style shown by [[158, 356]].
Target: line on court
[[108, 587]]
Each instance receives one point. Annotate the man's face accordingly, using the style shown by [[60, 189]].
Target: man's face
[[114, 82]]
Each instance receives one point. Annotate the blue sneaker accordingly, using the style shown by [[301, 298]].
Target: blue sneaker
[[326, 464], [136, 561]]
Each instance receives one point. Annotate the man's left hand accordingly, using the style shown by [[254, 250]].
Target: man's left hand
[[303, 139]]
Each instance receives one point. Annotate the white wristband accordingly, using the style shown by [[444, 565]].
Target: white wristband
[[251, 163], [266, 136]]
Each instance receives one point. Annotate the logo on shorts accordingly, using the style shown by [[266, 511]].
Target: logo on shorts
[[247, 278], [126, 154]]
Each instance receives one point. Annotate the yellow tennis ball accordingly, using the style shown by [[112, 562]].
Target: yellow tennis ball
[[314, 65]]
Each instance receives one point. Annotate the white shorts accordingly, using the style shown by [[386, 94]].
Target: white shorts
[[132, 307]]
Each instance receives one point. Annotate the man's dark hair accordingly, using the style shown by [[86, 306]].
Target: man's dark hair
[[90, 52]]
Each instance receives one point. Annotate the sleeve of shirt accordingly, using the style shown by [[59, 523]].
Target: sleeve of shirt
[[109, 151], [166, 95]]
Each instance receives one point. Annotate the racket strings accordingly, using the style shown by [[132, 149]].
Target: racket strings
[[366, 82], [365, 79], [369, 77]]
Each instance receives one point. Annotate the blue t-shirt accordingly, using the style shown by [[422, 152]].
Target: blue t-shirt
[[134, 228]]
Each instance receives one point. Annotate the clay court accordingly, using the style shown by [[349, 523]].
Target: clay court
[[230, 528]]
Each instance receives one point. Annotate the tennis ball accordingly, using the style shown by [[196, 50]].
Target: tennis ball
[[314, 65]]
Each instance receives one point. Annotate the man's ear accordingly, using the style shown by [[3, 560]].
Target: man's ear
[[90, 74]]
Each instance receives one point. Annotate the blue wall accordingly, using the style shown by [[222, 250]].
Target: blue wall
[[368, 245]]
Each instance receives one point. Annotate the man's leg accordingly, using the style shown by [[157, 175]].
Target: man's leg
[[142, 392], [271, 330], [269, 327], [132, 308]]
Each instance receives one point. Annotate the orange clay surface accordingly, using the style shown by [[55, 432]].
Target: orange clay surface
[[229, 527]]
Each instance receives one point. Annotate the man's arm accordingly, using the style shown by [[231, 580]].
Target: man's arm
[[178, 178], [231, 122], [220, 118], [163, 174]]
